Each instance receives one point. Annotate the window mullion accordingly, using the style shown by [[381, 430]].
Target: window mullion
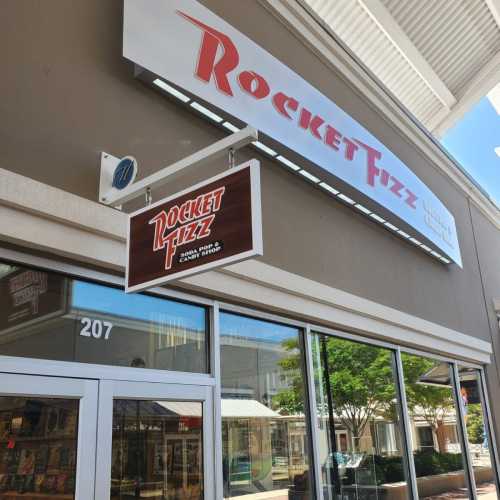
[[313, 414], [462, 431], [217, 407], [405, 424]]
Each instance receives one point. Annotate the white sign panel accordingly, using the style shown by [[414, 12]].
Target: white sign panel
[[187, 44]]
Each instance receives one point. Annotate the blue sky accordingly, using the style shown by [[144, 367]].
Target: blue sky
[[473, 141], [250, 328], [93, 297], [98, 298]]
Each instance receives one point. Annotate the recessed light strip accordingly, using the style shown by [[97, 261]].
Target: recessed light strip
[[266, 149], [366, 211], [205, 111], [299, 170], [363, 209], [345, 198], [231, 127], [288, 163], [173, 92], [309, 176], [391, 226], [329, 188], [377, 218]]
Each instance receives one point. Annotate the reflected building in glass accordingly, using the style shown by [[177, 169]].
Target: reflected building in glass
[[265, 435], [53, 317]]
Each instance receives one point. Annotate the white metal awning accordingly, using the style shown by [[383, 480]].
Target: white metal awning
[[183, 408], [437, 57], [246, 408], [231, 408]]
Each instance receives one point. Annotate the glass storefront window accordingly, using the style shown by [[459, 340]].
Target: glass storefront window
[[38, 441], [471, 399], [265, 427], [437, 453], [46, 315], [264, 432], [157, 450], [360, 435]]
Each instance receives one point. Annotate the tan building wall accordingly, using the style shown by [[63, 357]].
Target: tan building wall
[[67, 94]]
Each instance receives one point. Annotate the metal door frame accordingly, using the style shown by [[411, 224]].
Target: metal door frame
[[86, 391], [114, 389]]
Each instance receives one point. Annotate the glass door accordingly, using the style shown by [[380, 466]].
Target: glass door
[[47, 437], [155, 441]]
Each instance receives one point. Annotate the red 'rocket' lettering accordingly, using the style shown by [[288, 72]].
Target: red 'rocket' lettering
[[218, 57], [160, 222], [207, 64]]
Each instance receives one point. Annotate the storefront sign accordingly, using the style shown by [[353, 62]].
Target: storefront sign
[[30, 297], [214, 223], [185, 43]]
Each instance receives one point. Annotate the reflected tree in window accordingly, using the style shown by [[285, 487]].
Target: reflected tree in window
[[475, 424], [359, 432], [290, 400], [362, 385], [361, 381], [425, 398], [264, 429]]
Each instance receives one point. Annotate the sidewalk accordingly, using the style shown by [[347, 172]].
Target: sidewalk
[[485, 491]]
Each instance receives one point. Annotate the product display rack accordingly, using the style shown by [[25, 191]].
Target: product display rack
[[37, 448]]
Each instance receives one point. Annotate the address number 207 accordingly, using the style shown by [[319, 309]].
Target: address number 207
[[95, 328]]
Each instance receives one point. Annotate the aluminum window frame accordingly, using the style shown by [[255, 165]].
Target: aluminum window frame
[[402, 409], [309, 413], [143, 391], [485, 403], [212, 379], [85, 392]]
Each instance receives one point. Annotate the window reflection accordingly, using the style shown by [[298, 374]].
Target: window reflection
[[157, 450], [46, 315], [437, 452], [359, 429], [471, 399], [265, 437]]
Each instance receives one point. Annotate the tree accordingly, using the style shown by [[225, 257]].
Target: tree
[[475, 424], [290, 401], [361, 382], [362, 385], [360, 378], [430, 402]]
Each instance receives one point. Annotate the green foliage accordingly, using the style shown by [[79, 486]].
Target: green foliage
[[361, 380], [290, 401], [427, 463], [430, 463], [360, 377], [362, 384], [389, 469], [475, 425], [428, 401]]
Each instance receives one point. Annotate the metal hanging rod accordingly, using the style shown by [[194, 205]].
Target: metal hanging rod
[[219, 149]]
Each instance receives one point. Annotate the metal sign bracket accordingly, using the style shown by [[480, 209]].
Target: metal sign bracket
[[110, 195]]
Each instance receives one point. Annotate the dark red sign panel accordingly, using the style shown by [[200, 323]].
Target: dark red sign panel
[[214, 223]]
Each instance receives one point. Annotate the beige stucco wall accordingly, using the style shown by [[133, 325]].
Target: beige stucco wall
[[68, 94]]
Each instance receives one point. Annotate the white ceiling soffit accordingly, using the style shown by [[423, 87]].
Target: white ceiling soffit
[[437, 57]]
